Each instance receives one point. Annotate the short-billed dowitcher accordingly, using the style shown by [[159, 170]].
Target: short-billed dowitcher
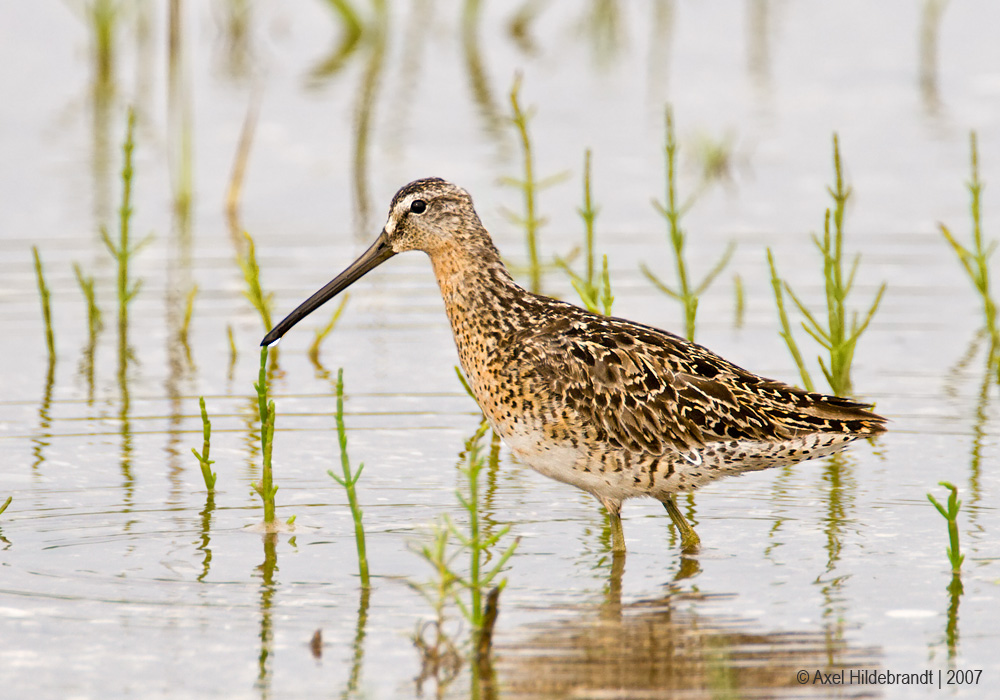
[[613, 407]]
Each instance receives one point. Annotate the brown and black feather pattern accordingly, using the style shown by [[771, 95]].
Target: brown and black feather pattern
[[617, 408]]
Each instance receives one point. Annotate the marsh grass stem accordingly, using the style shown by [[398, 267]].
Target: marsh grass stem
[[265, 488], [203, 461], [529, 186], [251, 274], [349, 481], [438, 652], [475, 541], [5, 504], [834, 334], [975, 261], [123, 250], [950, 514], [593, 287], [686, 292], [786, 329]]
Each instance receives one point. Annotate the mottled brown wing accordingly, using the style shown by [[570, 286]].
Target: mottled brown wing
[[636, 394]]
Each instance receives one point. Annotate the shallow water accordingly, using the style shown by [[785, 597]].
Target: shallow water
[[121, 577]]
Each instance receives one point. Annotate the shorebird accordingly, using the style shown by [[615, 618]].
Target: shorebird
[[616, 408]]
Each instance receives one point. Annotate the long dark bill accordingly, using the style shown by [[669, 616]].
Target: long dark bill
[[369, 260]]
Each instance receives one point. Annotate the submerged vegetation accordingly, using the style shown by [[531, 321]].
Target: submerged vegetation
[[836, 336], [672, 211]]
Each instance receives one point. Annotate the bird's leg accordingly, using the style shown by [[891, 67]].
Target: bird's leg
[[689, 538], [614, 515]]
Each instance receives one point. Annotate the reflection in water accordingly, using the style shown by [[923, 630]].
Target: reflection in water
[[415, 35], [519, 25], [758, 26], [206, 537], [124, 412], [482, 93], [179, 279], [661, 42], [122, 251], [358, 655], [981, 417], [602, 25], [102, 17], [268, 588], [146, 51], [351, 32], [236, 52], [371, 37], [95, 325], [235, 188], [43, 436], [377, 38], [980, 433], [839, 499], [643, 649], [955, 590], [179, 127], [930, 24]]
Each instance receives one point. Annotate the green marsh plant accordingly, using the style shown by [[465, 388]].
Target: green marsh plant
[[5, 504], [233, 352], [975, 260], [260, 300], [476, 542], [46, 296], [123, 250], [188, 313], [786, 327], [203, 461], [529, 186], [349, 480], [955, 556], [594, 290], [834, 334], [686, 291], [439, 657], [265, 488], [479, 579]]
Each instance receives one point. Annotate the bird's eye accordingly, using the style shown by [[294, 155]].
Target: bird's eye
[[418, 206]]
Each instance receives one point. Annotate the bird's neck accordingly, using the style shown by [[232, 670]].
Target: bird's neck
[[480, 297]]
